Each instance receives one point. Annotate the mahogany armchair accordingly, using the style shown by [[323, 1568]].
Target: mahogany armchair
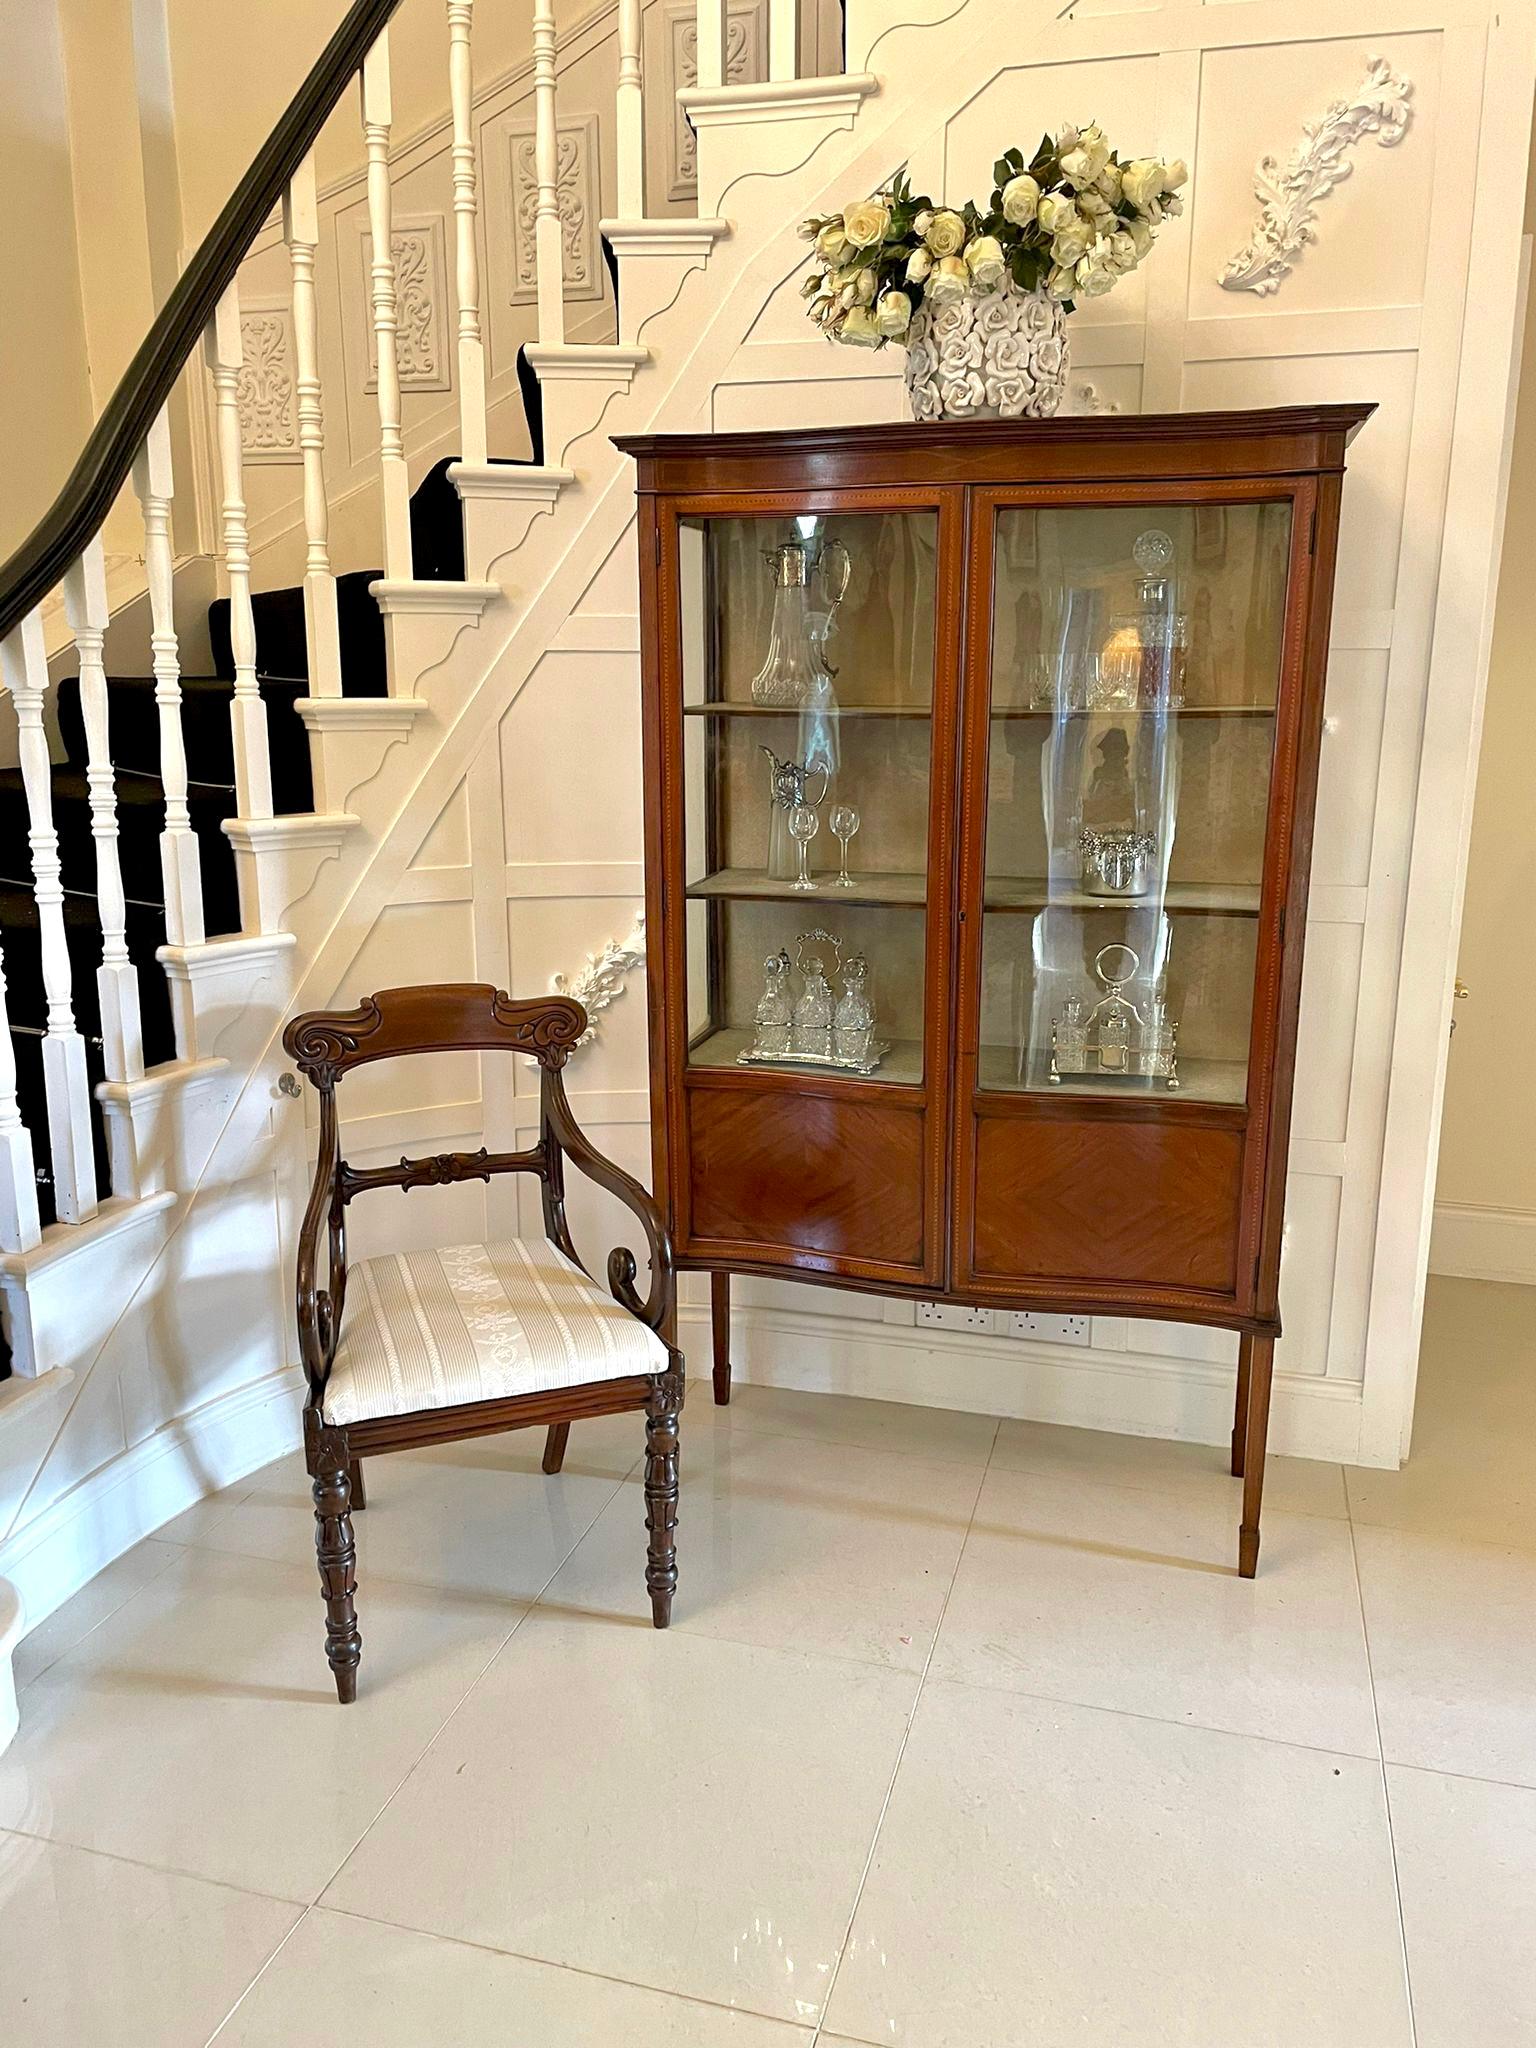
[[473, 1339]]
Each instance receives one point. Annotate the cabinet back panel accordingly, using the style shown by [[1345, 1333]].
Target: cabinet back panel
[[1108, 1201], [817, 1174]]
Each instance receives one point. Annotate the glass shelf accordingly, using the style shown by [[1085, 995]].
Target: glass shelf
[[840, 711], [997, 1073], [1020, 892], [739, 883], [903, 1064]]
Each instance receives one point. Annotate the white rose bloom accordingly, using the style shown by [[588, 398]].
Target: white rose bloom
[[1142, 236], [1062, 282], [1175, 174], [1107, 183], [867, 286], [1095, 277], [1172, 205], [866, 222], [1066, 138], [923, 222], [849, 295], [1122, 251], [1058, 213], [948, 281], [1069, 249], [811, 286], [832, 243], [1141, 182], [859, 329], [893, 314], [1095, 208], [984, 260], [919, 263], [1021, 200], [808, 230], [946, 234]]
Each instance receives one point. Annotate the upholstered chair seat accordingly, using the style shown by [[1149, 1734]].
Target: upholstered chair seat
[[477, 1322]]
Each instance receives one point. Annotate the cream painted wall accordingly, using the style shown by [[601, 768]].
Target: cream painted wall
[[45, 401], [1485, 1219]]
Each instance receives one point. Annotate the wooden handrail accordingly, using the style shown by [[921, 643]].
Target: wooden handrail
[[80, 510]]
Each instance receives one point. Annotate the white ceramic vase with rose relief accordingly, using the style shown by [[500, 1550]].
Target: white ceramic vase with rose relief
[[980, 299]]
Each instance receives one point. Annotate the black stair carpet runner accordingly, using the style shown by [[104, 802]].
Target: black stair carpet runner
[[437, 545]]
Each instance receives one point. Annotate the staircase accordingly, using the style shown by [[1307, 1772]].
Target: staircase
[[184, 859]]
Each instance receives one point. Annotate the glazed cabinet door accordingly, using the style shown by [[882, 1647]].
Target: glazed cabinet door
[[1133, 695], [810, 650]]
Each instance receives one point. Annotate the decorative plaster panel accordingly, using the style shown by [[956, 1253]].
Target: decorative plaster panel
[[269, 422], [746, 31], [580, 202], [421, 304]]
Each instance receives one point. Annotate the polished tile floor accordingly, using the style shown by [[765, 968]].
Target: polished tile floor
[[965, 1736]]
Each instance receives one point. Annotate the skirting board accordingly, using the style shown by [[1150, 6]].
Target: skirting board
[[143, 1488], [1483, 1244], [1134, 1396]]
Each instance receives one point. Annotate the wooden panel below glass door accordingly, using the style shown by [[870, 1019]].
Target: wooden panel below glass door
[[1060, 1199], [832, 1179]]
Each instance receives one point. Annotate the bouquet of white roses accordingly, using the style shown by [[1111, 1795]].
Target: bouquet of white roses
[[1071, 222]]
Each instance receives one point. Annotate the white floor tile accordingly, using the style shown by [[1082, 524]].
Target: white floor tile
[[341, 1979], [97, 1599], [1466, 1864], [1298, 1486], [935, 1433], [499, 1529], [96, 1951], [684, 1814], [1453, 1652], [791, 1543], [198, 1728], [1052, 1877], [1115, 1598]]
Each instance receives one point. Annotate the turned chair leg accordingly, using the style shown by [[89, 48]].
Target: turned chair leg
[[720, 1330], [1240, 1413], [554, 1446], [355, 1482], [336, 1553], [661, 1434], [1255, 1435]]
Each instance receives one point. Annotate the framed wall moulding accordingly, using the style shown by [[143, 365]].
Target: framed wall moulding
[[580, 202]]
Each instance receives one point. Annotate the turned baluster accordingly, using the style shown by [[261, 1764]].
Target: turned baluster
[[395, 482], [712, 32], [117, 979], [24, 663], [322, 633], [461, 90], [19, 1227], [548, 253], [248, 715], [629, 116], [783, 27]]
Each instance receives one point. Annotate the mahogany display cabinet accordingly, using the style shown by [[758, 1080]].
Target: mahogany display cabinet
[[980, 765]]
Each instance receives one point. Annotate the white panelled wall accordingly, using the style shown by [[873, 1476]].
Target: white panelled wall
[[482, 821]]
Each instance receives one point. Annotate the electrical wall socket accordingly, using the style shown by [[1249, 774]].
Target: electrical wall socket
[[954, 1315], [1027, 1322]]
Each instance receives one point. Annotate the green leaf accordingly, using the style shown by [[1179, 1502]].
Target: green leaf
[[1001, 171]]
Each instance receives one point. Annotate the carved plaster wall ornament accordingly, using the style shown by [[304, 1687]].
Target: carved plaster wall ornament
[[1088, 398], [576, 169], [1289, 195], [264, 390], [421, 332], [602, 980]]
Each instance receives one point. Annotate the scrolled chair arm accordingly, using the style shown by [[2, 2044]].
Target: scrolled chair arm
[[561, 1129], [319, 1308]]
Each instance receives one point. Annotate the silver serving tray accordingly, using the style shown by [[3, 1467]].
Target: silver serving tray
[[877, 1053]]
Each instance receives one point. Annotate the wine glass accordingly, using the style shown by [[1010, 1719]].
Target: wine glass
[[844, 822], [803, 827]]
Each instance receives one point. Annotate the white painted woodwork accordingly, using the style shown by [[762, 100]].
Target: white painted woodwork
[[117, 979], [19, 1228], [322, 633], [248, 715], [783, 25], [548, 234], [25, 668], [713, 31], [394, 480], [471, 349], [629, 116], [180, 870]]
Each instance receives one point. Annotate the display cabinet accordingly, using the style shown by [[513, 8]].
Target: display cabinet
[[980, 764]]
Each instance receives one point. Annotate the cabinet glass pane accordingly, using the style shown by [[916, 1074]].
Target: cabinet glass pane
[[1135, 665], [808, 647]]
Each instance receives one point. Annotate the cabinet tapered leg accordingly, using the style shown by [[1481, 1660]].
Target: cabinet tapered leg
[[1240, 1416], [720, 1327], [1255, 1436]]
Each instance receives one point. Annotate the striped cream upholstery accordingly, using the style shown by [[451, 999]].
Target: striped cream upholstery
[[477, 1322]]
